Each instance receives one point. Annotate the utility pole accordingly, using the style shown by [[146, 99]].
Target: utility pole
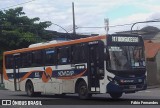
[[106, 22], [74, 28]]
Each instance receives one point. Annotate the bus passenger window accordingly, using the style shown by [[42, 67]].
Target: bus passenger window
[[37, 59], [26, 59], [63, 55], [79, 53], [50, 58], [83, 55], [9, 61], [74, 53]]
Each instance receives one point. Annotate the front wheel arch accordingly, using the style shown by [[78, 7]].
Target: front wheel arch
[[77, 83], [83, 91]]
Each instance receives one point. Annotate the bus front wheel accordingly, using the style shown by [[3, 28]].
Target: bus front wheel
[[30, 89], [83, 91], [116, 95]]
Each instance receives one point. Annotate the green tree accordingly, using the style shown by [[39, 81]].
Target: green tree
[[19, 31]]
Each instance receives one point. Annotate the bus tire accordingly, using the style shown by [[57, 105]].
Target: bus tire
[[83, 91], [116, 95], [30, 89]]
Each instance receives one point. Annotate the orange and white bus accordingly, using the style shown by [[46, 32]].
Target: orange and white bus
[[113, 64]]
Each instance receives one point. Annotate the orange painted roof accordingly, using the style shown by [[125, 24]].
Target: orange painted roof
[[151, 48]]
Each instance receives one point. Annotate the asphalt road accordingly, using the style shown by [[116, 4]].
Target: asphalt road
[[72, 100]]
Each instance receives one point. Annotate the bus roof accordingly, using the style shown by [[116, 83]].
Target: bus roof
[[45, 43], [36, 47]]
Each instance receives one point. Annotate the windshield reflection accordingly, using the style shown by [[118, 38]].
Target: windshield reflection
[[126, 57]]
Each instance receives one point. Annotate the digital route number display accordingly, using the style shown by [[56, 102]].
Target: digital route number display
[[124, 39]]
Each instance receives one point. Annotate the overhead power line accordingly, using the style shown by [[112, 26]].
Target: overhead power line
[[16, 5], [109, 26], [117, 25]]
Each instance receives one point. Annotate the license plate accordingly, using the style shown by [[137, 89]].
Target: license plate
[[132, 86]]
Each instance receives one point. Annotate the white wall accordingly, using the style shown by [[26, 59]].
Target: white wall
[[0, 79], [158, 66], [153, 71]]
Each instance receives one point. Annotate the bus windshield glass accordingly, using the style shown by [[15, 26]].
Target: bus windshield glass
[[126, 57]]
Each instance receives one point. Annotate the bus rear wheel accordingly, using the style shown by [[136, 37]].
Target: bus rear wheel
[[83, 91], [116, 95], [30, 89]]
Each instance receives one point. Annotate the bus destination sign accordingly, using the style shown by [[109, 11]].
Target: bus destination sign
[[124, 39]]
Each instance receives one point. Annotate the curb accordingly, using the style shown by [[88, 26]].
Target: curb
[[151, 87]]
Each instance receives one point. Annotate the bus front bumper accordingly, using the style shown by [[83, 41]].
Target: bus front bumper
[[112, 87]]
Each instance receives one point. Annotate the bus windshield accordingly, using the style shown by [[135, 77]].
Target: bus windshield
[[126, 57]]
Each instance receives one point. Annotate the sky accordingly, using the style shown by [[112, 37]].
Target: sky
[[90, 13]]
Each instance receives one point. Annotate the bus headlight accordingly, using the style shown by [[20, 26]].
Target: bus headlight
[[139, 80]]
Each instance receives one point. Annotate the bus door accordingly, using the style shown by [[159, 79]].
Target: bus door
[[93, 80], [16, 67]]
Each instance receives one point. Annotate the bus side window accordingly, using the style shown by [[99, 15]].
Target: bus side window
[[69, 51], [79, 53], [26, 59], [37, 58], [76, 53], [50, 56], [63, 55], [84, 54], [71, 54], [9, 61]]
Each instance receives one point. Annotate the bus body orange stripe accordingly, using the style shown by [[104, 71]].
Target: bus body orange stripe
[[4, 69]]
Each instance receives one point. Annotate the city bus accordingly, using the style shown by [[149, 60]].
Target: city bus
[[113, 64]]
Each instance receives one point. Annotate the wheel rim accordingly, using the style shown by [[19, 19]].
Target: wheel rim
[[29, 90], [83, 90]]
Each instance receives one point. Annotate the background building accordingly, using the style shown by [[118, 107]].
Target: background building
[[151, 36]]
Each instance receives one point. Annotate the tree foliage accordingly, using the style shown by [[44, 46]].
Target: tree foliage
[[19, 31]]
